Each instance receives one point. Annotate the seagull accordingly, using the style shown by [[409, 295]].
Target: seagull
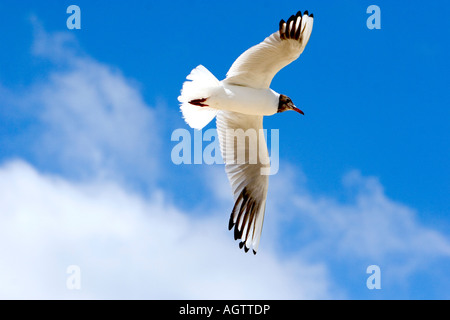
[[239, 103]]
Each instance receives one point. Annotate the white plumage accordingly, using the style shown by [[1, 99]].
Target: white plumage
[[239, 103], [202, 84]]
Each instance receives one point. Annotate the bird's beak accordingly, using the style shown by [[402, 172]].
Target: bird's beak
[[298, 110], [293, 107]]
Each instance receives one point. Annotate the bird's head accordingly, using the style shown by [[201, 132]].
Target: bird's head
[[285, 103]]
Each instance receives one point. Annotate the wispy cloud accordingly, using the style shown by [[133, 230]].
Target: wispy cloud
[[89, 118], [128, 247], [365, 225]]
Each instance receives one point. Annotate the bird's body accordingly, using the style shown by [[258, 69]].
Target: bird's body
[[240, 102], [246, 100]]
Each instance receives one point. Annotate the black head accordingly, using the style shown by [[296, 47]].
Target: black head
[[285, 103]]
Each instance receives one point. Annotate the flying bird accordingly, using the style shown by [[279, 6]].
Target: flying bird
[[239, 103]]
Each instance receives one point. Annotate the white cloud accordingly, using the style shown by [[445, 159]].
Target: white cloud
[[102, 119], [367, 226], [93, 120], [128, 247]]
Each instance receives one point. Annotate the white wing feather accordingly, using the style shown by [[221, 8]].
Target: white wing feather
[[248, 178], [257, 66]]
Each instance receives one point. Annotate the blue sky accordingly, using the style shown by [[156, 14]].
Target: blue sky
[[86, 118]]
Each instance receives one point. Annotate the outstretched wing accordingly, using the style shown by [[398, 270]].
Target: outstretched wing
[[246, 157], [257, 66]]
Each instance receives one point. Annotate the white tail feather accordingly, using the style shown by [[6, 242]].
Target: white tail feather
[[202, 83]]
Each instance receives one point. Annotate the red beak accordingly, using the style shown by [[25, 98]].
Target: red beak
[[298, 110]]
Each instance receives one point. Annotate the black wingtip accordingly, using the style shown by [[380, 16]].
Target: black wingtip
[[290, 32], [231, 223], [291, 19], [254, 252], [236, 233], [241, 244], [246, 249]]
